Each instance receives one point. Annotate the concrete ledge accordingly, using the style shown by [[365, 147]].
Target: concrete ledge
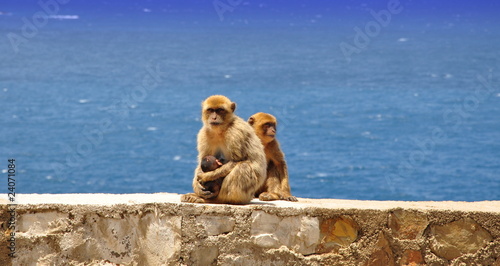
[[157, 229]]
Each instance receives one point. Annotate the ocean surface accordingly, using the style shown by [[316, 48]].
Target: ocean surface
[[105, 97]]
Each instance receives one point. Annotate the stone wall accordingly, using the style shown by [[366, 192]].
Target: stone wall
[[156, 229]]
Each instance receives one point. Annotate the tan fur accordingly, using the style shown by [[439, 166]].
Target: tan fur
[[245, 170], [276, 186]]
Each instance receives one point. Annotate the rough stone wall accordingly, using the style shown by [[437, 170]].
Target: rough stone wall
[[174, 233]]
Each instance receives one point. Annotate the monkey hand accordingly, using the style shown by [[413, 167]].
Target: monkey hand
[[204, 177], [207, 194], [203, 192], [222, 171]]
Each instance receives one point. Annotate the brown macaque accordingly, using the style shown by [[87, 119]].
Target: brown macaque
[[210, 163], [276, 186], [226, 134]]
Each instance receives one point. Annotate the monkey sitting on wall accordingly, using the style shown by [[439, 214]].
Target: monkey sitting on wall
[[276, 186], [225, 133]]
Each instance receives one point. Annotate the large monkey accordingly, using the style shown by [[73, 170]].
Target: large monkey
[[276, 186], [228, 136]]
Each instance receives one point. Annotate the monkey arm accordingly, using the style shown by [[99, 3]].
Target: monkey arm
[[286, 192], [283, 175], [222, 171], [277, 183], [285, 185]]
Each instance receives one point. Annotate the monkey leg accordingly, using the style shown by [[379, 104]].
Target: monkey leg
[[285, 192], [239, 186], [275, 189]]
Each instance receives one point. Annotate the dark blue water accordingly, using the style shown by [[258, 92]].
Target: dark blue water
[[106, 97]]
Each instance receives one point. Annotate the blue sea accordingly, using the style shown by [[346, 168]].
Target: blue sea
[[375, 100]]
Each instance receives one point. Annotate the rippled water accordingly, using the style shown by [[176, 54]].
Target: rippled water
[[108, 100]]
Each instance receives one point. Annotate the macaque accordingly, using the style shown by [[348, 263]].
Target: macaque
[[210, 163], [244, 169], [276, 186]]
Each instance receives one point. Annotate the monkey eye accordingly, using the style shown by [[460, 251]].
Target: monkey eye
[[220, 110], [210, 110]]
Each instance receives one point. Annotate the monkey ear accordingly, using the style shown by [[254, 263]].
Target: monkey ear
[[251, 120], [233, 106]]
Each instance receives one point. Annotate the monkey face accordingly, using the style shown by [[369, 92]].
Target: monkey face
[[264, 126], [269, 129], [215, 116], [217, 110], [266, 132]]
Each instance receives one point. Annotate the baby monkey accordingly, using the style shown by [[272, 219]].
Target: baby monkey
[[210, 163]]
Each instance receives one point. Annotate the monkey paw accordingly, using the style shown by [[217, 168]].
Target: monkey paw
[[290, 198], [207, 194], [191, 198], [203, 192]]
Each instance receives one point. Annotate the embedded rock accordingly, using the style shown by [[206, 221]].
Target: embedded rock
[[299, 233], [412, 258], [216, 225], [337, 233], [407, 224], [457, 238], [382, 253], [204, 256]]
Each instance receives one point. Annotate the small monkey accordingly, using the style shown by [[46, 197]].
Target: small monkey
[[225, 133], [210, 163], [276, 186]]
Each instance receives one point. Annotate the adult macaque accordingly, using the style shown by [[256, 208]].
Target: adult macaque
[[226, 134], [276, 186]]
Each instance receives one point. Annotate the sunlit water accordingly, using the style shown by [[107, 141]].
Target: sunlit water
[[109, 101]]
